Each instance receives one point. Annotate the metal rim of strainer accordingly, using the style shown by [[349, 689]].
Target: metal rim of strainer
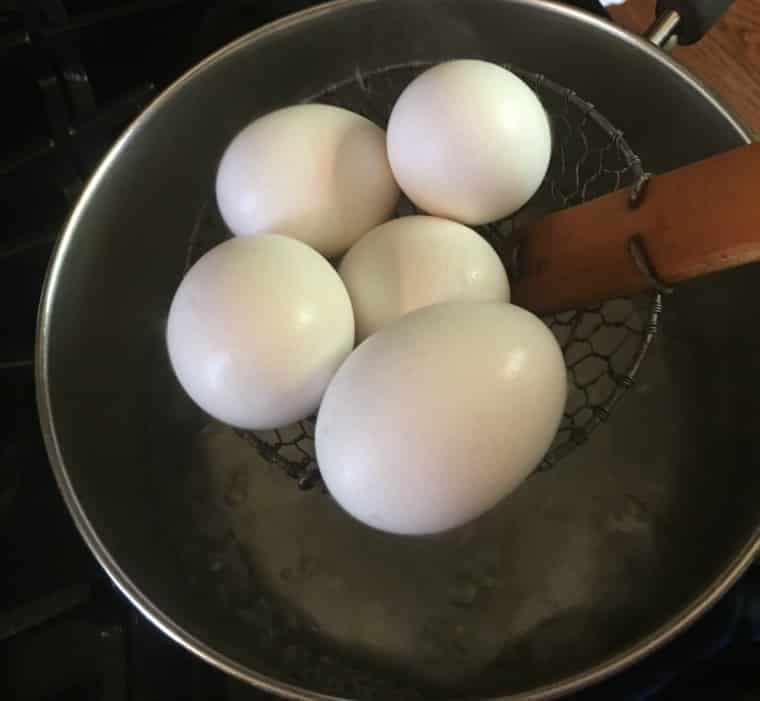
[[292, 448]]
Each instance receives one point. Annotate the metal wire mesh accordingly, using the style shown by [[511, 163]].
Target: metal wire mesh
[[603, 345]]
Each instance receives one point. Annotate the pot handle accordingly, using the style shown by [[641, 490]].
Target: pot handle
[[687, 20]]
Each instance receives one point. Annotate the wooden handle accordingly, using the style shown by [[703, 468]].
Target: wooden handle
[[692, 221]]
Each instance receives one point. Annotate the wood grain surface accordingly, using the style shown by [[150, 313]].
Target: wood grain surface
[[727, 59], [693, 221]]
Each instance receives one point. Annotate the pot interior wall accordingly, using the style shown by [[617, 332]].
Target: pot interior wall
[[578, 566]]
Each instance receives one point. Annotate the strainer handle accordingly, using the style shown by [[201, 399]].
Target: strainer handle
[[696, 220]]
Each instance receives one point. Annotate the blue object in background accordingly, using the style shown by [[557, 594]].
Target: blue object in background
[[717, 658]]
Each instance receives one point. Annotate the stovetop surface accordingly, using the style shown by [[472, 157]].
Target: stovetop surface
[[73, 81]]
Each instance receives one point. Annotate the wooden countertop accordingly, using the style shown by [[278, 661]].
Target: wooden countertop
[[727, 59]]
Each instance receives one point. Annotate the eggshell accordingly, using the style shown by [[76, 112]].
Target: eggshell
[[314, 172], [469, 140], [412, 262], [434, 419], [257, 329]]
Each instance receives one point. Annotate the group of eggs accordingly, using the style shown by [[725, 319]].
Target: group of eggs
[[453, 395]]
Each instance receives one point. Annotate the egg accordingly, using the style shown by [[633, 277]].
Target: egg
[[313, 172], [416, 261], [469, 140], [256, 330], [435, 418]]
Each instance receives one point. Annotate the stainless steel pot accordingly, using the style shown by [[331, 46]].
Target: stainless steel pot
[[584, 570]]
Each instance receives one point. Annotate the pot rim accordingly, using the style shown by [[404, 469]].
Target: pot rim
[[121, 579]]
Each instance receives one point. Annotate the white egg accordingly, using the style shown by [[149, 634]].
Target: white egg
[[470, 141], [416, 261], [313, 172], [434, 419], [256, 330]]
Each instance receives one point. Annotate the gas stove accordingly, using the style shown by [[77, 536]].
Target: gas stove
[[75, 73]]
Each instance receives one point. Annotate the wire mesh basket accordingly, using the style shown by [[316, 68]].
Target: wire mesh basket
[[603, 345]]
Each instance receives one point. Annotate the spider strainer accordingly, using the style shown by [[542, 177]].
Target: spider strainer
[[603, 345]]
